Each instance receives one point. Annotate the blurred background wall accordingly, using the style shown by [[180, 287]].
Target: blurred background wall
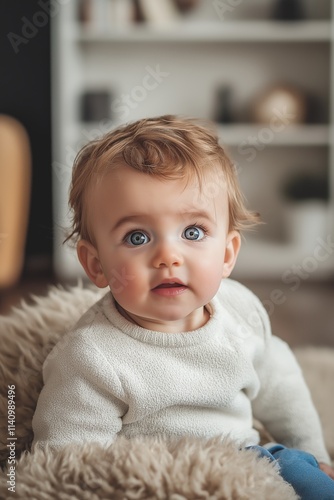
[[262, 71]]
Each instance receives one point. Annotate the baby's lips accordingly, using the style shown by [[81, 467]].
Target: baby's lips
[[170, 283]]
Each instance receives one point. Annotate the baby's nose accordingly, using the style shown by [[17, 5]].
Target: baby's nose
[[167, 255]]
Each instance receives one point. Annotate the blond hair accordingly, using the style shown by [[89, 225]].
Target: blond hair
[[168, 147]]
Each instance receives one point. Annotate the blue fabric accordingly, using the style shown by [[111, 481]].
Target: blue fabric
[[301, 470]]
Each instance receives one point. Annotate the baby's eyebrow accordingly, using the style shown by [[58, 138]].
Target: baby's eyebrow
[[125, 219], [203, 214], [197, 213]]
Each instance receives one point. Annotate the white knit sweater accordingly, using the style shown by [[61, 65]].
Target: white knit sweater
[[110, 377]]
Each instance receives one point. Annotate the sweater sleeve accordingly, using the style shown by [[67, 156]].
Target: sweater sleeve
[[81, 399], [284, 404]]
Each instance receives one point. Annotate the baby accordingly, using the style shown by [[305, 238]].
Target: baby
[[174, 348]]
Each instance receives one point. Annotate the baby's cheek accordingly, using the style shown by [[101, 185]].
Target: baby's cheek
[[121, 280], [211, 281]]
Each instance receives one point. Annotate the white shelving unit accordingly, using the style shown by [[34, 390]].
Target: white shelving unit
[[243, 31], [294, 135], [195, 56]]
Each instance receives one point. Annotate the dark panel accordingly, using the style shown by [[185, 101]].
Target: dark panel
[[25, 95]]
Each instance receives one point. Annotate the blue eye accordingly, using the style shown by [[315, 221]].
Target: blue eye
[[137, 238], [194, 233]]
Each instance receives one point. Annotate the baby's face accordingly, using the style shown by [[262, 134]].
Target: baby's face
[[163, 245]]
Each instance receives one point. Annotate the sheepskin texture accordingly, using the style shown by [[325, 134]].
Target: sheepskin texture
[[141, 468], [148, 469]]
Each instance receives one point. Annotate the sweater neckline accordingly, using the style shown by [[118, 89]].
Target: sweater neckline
[[162, 339]]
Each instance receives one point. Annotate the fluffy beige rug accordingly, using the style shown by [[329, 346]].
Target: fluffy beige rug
[[138, 469]]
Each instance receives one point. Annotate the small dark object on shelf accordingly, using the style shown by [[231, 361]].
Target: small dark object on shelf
[[306, 186], [288, 10], [223, 113], [95, 106], [186, 5], [84, 11], [138, 15]]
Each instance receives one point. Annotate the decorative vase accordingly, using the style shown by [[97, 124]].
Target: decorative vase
[[280, 102]]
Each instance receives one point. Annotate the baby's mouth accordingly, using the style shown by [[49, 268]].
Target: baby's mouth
[[169, 288], [169, 285]]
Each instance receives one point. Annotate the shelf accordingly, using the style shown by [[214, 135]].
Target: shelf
[[292, 135], [243, 135], [260, 259], [241, 31]]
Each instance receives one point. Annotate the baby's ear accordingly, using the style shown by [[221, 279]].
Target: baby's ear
[[233, 242], [89, 259]]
